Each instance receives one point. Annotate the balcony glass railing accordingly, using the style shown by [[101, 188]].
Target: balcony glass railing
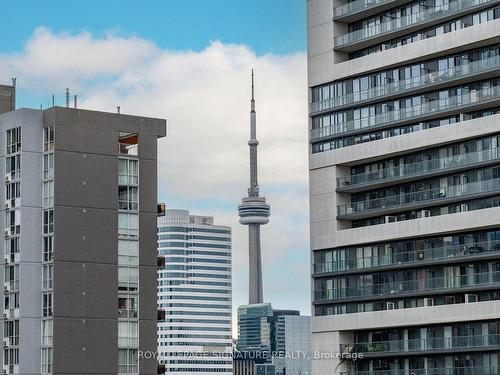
[[391, 25], [420, 285], [472, 370], [419, 197], [419, 168], [424, 344], [415, 256], [356, 6], [396, 87], [409, 113]]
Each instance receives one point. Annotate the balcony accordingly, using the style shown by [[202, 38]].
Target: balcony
[[357, 9], [416, 200], [421, 256], [395, 88], [426, 168], [457, 343], [394, 289], [473, 370], [416, 113], [386, 29]]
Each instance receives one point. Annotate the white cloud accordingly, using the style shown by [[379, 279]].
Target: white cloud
[[205, 97]]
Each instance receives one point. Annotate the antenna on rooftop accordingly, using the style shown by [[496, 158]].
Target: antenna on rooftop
[[67, 98], [13, 100], [118, 109], [75, 101]]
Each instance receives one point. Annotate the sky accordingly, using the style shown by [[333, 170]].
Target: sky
[[189, 61]]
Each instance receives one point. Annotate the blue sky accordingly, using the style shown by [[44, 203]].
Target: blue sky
[[267, 26], [189, 61]]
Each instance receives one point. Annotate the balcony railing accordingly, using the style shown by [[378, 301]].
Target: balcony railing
[[472, 370], [400, 87], [421, 197], [356, 6], [424, 344], [419, 168], [409, 20], [415, 256], [410, 286], [405, 114]]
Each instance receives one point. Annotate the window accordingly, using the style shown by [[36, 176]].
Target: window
[[11, 332], [48, 139], [128, 171], [46, 360], [12, 191], [11, 301], [12, 275], [48, 248], [13, 167], [13, 222], [127, 334], [128, 278], [47, 276], [13, 140], [127, 306], [128, 225], [128, 253], [47, 304], [48, 194], [11, 358], [48, 166], [11, 248], [47, 332], [128, 361], [128, 198], [128, 143], [48, 221]]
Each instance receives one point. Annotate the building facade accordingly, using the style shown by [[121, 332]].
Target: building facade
[[194, 291], [293, 345], [405, 185], [276, 341], [79, 241]]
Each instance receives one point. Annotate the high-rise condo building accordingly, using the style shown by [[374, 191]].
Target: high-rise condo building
[[79, 244], [404, 123], [194, 291]]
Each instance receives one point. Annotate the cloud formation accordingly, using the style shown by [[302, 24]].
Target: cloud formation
[[204, 159]]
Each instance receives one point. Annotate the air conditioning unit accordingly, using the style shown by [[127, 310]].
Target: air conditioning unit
[[471, 298], [428, 302], [7, 205], [7, 233], [5, 288], [5, 343], [391, 305], [8, 178], [464, 207]]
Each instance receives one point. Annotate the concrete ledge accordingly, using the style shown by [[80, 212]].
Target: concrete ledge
[[407, 317]]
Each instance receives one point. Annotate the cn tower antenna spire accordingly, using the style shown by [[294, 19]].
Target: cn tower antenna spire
[[254, 212]]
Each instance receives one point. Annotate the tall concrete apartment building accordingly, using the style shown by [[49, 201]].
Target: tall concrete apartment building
[[194, 291], [79, 241], [405, 185]]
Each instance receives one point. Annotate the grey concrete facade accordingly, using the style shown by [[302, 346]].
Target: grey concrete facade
[[403, 206], [84, 262]]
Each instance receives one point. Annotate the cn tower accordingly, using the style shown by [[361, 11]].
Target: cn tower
[[254, 212]]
